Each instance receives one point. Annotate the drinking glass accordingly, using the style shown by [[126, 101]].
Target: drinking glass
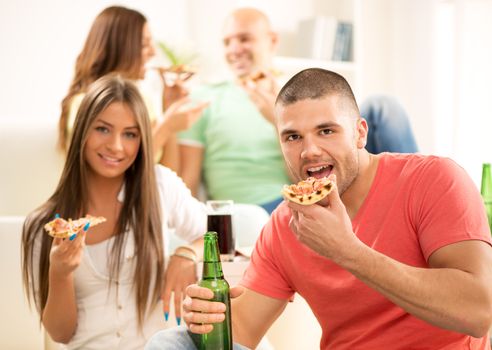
[[220, 220]]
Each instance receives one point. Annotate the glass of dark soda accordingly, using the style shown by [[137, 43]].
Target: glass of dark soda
[[220, 220]]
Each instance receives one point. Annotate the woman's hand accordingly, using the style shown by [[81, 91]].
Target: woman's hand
[[176, 118], [179, 117], [60, 313], [173, 91], [199, 313], [180, 273], [66, 254]]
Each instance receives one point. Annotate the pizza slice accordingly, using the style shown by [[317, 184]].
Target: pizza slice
[[255, 77], [172, 73], [61, 228], [308, 191]]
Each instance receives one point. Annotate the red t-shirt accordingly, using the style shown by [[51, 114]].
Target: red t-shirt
[[416, 204]]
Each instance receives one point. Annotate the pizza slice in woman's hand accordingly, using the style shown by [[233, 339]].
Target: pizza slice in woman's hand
[[61, 228], [308, 191]]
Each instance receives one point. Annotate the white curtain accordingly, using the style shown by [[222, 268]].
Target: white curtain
[[463, 82]]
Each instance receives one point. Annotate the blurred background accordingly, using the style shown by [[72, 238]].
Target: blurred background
[[433, 55]]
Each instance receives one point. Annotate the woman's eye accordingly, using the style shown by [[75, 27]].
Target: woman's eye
[[131, 135], [102, 129]]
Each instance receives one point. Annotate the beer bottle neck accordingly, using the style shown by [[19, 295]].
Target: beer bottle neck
[[212, 270], [486, 187], [212, 267]]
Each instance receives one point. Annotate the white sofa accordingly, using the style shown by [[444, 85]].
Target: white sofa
[[19, 325], [31, 165]]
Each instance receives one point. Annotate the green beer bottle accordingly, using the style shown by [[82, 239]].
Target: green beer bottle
[[213, 278], [486, 191]]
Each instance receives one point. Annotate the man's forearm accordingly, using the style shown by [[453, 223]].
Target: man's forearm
[[445, 297]]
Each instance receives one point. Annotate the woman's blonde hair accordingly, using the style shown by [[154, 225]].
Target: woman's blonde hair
[[140, 212], [114, 44]]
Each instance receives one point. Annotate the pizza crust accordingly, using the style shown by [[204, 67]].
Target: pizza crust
[[61, 228], [309, 191]]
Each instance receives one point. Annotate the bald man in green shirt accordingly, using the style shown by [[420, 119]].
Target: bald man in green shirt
[[234, 143]]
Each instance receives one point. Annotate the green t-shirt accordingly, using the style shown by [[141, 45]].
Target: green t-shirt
[[242, 157]]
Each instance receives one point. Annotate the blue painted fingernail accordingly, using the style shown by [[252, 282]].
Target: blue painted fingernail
[[57, 216], [178, 320], [72, 237], [86, 227], [166, 316]]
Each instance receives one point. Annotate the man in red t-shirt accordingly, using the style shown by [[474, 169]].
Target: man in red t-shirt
[[397, 256]]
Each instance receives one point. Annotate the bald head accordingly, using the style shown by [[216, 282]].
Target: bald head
[[249, 15], [249, 42]]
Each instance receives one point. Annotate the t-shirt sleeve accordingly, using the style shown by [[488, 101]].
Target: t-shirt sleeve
[[264, 274], [448, 207], [184, 212]]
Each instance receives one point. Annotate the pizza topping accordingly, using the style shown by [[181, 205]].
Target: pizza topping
[[60, 225], [308, 191]]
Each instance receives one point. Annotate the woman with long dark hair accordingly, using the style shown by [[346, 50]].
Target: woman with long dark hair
[[101, 290], [120, 41]]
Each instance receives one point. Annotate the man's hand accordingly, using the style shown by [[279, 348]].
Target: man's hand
[[263, 94], [325, 229], [200, 313]]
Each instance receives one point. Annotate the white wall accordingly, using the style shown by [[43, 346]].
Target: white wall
[[473, 70], [435, 57], [396, 54]]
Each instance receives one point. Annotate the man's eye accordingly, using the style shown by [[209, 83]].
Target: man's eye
[[245, 39], [292, 137], [326, 132]]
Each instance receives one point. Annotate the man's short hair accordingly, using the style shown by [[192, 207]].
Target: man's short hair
[[316, 83]]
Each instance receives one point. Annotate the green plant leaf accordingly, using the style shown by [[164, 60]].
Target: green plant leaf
[[173, 56]]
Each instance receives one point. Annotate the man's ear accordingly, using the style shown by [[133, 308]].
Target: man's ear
[[361, 132]]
